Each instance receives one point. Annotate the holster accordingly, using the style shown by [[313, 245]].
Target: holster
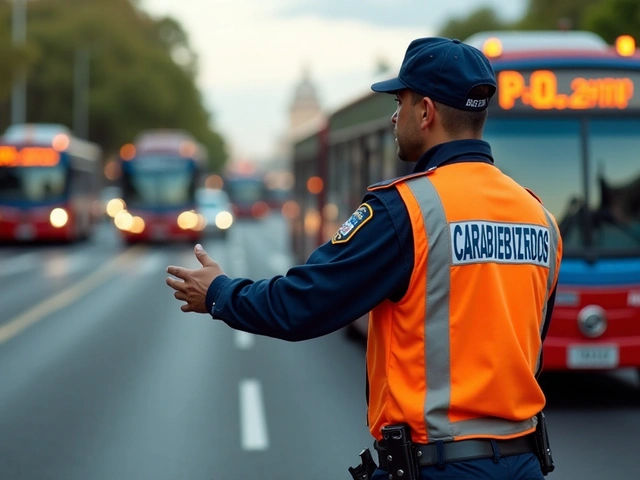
[[367, 466], [402, 458], [543, 447]]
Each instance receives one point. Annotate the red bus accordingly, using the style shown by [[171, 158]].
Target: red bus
[[161, 171], [248, 194], [278, 184], [565, 122], [49, 184]]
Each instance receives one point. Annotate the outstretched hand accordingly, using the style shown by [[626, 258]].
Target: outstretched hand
[[195, 283]]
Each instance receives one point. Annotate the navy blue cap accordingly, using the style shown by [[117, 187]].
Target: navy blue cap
[[444, 70]]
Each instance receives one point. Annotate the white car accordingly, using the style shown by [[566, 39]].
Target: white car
[[215, 207]]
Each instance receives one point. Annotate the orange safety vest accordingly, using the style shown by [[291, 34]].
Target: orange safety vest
[[456, 357]]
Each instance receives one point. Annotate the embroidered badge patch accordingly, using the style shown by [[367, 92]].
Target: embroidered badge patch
[[362, 215]]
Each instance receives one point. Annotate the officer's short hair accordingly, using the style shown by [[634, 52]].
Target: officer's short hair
[[455, 120]]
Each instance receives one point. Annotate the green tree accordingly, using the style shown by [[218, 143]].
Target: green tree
[[142, 71], [6, 58], [482, 19], [611, 18], [555, 14]]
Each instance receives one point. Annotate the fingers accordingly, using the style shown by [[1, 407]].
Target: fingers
[[204, 259], [181, 296], [176, 284], [181, 287], [179, 272]]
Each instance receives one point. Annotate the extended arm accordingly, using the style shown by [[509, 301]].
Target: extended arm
[[338, 283]]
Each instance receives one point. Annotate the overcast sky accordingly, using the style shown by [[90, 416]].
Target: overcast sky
[[252, 53]]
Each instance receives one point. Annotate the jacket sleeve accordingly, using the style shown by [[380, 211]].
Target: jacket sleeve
[[339, 283]]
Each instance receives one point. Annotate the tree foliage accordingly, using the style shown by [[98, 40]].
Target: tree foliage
[[608, 18], [611, 18], [142, 71], [482, 19], [554, 14]]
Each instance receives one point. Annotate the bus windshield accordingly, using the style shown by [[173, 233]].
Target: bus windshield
[[614, 183], [246, 190], [546, 156], [159, 189], [32, 184]]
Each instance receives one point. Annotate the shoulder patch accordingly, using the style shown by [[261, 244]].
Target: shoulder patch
[[362, 215]]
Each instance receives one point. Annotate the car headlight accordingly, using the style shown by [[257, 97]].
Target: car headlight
[[224, 220]]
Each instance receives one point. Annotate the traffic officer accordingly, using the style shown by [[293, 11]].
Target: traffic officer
[[457, 265]]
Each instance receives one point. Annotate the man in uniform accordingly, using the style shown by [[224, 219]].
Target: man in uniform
[[457, 265]]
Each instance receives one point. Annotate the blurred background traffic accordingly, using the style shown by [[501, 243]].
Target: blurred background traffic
[[133, 129]]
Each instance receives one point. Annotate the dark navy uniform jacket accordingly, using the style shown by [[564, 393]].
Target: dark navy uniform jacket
[[339, 282]]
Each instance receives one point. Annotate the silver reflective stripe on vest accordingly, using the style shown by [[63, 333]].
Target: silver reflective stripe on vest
[[437, 342], [554, 236]]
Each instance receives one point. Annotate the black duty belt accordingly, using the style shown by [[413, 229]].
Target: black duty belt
[[462, 450]]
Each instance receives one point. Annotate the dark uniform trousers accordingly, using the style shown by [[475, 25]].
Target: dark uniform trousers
[[515, 467]]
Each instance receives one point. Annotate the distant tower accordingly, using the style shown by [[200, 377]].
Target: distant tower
[[305, 116], [305, 109]]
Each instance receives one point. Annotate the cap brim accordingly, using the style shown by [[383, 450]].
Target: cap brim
[[388, 86]]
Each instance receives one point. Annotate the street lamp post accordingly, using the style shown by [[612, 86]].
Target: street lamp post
[[18, 39]]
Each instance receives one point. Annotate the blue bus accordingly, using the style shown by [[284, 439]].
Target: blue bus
[[566, 124], [160, 173]]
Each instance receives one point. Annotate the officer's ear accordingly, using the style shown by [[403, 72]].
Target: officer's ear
[[428, 112]]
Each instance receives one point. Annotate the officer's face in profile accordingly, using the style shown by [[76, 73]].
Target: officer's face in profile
[[406, 120]]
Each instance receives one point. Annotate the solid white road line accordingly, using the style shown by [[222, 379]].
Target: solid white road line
[[253, 423]]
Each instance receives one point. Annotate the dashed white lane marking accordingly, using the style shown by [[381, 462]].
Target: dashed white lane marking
[[253, 423], [243, 340], [64, 298]]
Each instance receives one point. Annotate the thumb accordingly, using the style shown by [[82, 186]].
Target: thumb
[[202, 256]]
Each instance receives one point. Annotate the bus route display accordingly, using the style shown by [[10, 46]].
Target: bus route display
[[11, 156], [568, 90]]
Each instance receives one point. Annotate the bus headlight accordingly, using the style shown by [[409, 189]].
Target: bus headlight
[[592, 321], [137, 225], [224, 220], [123, 221], [115, 206], [58, 217], [188, 220]]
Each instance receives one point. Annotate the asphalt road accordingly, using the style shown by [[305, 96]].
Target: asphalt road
[[103, 377]]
